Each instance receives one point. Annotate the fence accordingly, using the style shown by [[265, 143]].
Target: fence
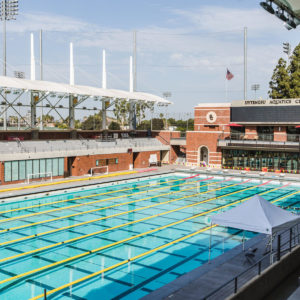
[[285, 242]]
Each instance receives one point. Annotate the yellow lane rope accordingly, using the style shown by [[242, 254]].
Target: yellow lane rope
[[106, 207], [105, 193], [95, 220], [88, 203], [111, 228], [123, 262], [67, 181], [128, 239], [147, 252]]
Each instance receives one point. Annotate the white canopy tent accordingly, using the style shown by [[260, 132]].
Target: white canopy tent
[[257, 215]]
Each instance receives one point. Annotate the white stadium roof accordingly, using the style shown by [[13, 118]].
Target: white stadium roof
[[79, 90]]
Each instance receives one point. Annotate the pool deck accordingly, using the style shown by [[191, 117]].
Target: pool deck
[[20, 189], [203, 280]]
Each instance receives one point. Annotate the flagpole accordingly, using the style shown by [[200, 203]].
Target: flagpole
[[226, 88]]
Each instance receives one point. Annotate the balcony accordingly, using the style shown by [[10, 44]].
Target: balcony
[[262, 141]]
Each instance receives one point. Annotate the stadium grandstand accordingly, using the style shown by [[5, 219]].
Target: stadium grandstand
[[37, 153]]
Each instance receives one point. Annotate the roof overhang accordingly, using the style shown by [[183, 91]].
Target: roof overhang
[[77, 90]]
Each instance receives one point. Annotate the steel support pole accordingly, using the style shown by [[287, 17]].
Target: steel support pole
[[4, 59], [41, 74], [71, 112], [134, 62], [132, 116], [32, 110], [4, 36], [103, 115], [245, 63]]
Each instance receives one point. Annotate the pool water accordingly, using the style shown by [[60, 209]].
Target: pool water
[[121, 241]]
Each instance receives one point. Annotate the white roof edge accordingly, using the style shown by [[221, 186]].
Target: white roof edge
[[214, 104], [62, 88]]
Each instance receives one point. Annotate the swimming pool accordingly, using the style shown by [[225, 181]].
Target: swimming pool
[[121, 241]]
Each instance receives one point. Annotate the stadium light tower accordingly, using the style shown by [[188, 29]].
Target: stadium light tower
[[287, 49], [9, 10]]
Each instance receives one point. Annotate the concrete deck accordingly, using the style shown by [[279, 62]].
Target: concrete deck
[[202, 281], [62, 184]]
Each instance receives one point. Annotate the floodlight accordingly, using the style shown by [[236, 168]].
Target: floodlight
[[280, 14], [291, 23], [268, 7]]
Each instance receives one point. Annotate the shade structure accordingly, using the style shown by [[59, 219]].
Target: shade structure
[[77, 90], [257, 215], [234, 125]]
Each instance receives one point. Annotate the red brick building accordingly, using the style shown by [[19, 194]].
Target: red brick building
[[252, 135]]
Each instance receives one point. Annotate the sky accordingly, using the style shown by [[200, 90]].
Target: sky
[[183, 47]]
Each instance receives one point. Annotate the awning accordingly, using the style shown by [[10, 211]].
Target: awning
[[11, 83], [234, 125]]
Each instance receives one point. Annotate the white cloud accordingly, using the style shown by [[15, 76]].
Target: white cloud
[[48, 22], [218, 18]]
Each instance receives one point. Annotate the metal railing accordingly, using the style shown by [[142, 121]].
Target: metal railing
[[283, 243], [293, 138], [71, 145]]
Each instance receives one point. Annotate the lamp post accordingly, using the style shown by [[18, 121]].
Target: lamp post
[[287, 49], [8, 11]]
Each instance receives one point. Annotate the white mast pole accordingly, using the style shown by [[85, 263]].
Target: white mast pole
[[131, 75], [32, 58], [72, 75], [104, 87], [103, 69]]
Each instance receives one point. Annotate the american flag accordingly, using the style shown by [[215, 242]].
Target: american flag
[[229, 75]]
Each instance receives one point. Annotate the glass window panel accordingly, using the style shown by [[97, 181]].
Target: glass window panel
[[36, 168], [55, 167], [43, 166], [22, 169], [28, 167], [7, 171], [48, 165], [15, 170], [61, 163]]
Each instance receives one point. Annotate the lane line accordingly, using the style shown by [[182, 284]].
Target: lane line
[[122, 263], [140, 255], [111, 228], [101, 194], [112, 206], [88, 203], [130, 238]]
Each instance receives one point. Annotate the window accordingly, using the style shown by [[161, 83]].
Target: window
[[7, 171], [43, 166], [14, 170], [61, 162], [36, 168], [19, 170], [55, 167], [28, 167], [22, 170]]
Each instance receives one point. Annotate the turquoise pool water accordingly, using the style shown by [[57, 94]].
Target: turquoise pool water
[[122, 241]]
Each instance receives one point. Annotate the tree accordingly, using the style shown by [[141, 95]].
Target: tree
[[121, 111], [294, 72], [114, 126], [140, 110], [280, 81], [93, 122]]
